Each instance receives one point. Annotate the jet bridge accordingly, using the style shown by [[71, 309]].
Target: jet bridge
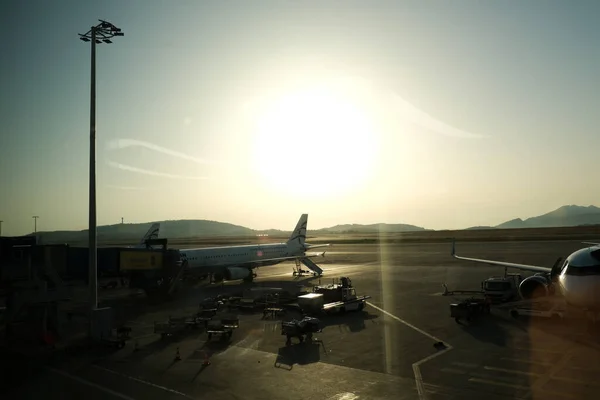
[[158, 272]]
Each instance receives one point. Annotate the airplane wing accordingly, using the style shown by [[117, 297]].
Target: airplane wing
[[315, 246], [523, 267], [592, 243]]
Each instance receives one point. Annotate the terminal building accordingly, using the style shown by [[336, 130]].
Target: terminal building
[[37, 280]]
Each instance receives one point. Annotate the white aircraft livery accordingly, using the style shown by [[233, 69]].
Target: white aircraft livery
[[577, 278], [238, 262]]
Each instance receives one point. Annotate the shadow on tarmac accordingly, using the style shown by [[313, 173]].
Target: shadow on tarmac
[[300, 353], [487, 330], [350, 321]]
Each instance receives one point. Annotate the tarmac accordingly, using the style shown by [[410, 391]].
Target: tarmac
[[390, 350]]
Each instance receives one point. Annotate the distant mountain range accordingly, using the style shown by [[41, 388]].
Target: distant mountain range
[[371, 228], [564, 216]]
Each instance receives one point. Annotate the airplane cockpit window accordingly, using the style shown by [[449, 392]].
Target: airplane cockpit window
[[583, 271], [566, 263]]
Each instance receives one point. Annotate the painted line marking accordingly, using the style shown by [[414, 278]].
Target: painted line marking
[[511, 371], [555, 369], [530, 350], [559, 394], [586, 369], [490, 382], [526, 361], [422, 332], [468, 365], [416, 366], [477, 375], [92, 384], [454, 371], [344, 396], [576, 381], [166, 389]]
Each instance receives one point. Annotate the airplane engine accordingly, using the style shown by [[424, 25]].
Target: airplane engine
[[235, 273], [534, 287]]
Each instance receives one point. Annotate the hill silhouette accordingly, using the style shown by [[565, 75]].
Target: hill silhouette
[[571, 215], [179, 229], [371, 228], [176, 229]]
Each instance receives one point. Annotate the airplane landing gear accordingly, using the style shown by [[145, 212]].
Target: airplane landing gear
[[250, 278]]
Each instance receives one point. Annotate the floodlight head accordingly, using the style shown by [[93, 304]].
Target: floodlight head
[[108, 41], [84, 39], [98, 41], [119, 33]]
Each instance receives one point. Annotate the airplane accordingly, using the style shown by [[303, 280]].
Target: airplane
[[577, 279], [238, 262], [151, 234]]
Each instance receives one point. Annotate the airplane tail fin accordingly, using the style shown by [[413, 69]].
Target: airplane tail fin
[[298, 236], [151, 234]]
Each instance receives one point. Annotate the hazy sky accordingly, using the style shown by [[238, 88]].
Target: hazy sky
[[442, 114]]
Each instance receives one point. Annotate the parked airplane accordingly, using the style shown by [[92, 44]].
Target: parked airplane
[[238, 262], [577, 279], [151, 234]]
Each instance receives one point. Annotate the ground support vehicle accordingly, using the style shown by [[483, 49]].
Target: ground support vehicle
[[118, 337], [205, 315], [300, 329], [223, 327], [216, 302], [498, 289], [337, 297], [272, 312], [174, 325], [469, 309]]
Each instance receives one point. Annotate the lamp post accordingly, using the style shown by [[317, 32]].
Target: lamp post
[[98, 34], [35, 217]]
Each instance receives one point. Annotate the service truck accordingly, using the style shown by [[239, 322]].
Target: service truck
[[336, 297], [501, 289]]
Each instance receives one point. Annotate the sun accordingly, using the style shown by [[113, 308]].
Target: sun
[[314, 141]]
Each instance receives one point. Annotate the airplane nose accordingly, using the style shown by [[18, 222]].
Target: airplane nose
[[582, 291]]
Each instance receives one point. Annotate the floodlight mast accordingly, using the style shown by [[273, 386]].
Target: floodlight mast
[[101, 33]]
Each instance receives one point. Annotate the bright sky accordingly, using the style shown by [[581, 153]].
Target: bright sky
[[442, 114]]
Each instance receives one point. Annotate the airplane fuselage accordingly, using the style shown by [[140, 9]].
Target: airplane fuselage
[[214, 259], [579, 279]]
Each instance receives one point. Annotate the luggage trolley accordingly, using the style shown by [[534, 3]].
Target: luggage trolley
[[223, 327]]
